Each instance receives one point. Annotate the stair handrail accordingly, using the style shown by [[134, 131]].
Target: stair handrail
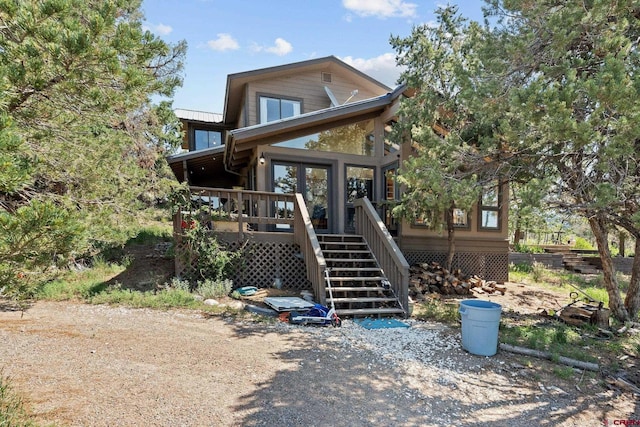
[[396, 268], [305, 237]]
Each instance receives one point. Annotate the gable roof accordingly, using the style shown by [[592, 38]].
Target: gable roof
[[236, 82]]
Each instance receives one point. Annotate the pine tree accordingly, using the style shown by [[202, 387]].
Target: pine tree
[[82, 140]]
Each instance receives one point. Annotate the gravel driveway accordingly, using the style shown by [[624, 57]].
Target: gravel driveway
[[84, 365]]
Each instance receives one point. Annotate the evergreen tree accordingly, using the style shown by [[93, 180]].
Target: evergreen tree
[[81, 139], [573, 110], [451, 160], [541, 90]]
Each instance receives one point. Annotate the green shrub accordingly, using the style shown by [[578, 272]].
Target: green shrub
[[528, 249], [520, 268], [582, 243], [179, 284], [12, 412], [212, 260], [168, 298], [214, 288], [538, 271]]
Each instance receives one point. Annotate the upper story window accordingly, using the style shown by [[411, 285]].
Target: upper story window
[[489, 208], [390, 146], [207, 138], [272, 108], [357, 138]]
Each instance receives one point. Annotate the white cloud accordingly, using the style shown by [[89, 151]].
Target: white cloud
[[381, 8], [163, 29], [382, 68], [223, 42], [160, 29], [281, 47]]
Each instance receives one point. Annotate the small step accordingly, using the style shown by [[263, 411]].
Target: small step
[[346, 251], [322, 238], [343, 243], [333, 269], [354, 289], [340, 300], [368, 311], [357, 278], [368, 260]]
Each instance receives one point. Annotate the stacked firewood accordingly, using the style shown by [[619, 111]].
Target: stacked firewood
[[432, 278]]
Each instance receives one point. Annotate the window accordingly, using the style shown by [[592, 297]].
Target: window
[[390, 197], [278, 108], [357, 138], [207, 139], [460, 218], [359, 184], [490, 208], [389, 145]]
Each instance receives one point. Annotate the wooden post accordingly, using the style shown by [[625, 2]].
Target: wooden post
[[240, 219]]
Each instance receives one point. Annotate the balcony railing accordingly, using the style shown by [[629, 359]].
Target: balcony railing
[[237, 210]]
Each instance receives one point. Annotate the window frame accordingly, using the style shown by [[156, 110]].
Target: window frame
[[349, 205], [467, 215], [280, 98], [490, 208], [195, 129]]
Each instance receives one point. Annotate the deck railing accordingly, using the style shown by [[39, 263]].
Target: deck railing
[[390, 258], [237, 209], [305, 236], [280, 212]]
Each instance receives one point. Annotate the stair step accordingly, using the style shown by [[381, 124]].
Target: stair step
[[368, 311], [357, 289], [339, 300], [346, 251], [356, 278], [343, 243], [339, 238], [361, 290]]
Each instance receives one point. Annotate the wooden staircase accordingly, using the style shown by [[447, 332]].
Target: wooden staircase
[[575, 262], [358, 284]]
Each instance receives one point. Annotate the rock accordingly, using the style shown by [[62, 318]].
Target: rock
[[211, 301], [238, 305]]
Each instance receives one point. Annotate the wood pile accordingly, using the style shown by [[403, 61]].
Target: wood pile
[[585, 314], [432, 278]]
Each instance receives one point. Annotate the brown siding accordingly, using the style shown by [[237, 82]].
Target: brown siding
[[306, 86], [467, 244]]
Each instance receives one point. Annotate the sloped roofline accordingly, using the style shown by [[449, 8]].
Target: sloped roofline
[[236, 82], [263, 132], [198, 116]]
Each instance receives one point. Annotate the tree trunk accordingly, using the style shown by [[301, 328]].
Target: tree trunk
[[451, 237], [632, 301], [518, 231], [598, 227]]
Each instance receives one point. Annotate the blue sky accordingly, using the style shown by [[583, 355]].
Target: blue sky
[[231, 36]]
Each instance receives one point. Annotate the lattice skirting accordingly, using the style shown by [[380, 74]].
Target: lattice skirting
[[489, 266], [260, 265]]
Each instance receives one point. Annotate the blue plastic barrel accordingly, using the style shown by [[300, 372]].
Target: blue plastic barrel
[[480, 323]]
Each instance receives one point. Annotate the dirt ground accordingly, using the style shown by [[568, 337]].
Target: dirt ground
[[92, 365]]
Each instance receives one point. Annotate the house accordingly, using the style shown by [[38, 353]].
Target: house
[[314, 136]]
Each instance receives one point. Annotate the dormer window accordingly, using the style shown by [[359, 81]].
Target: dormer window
[[274, 108]]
